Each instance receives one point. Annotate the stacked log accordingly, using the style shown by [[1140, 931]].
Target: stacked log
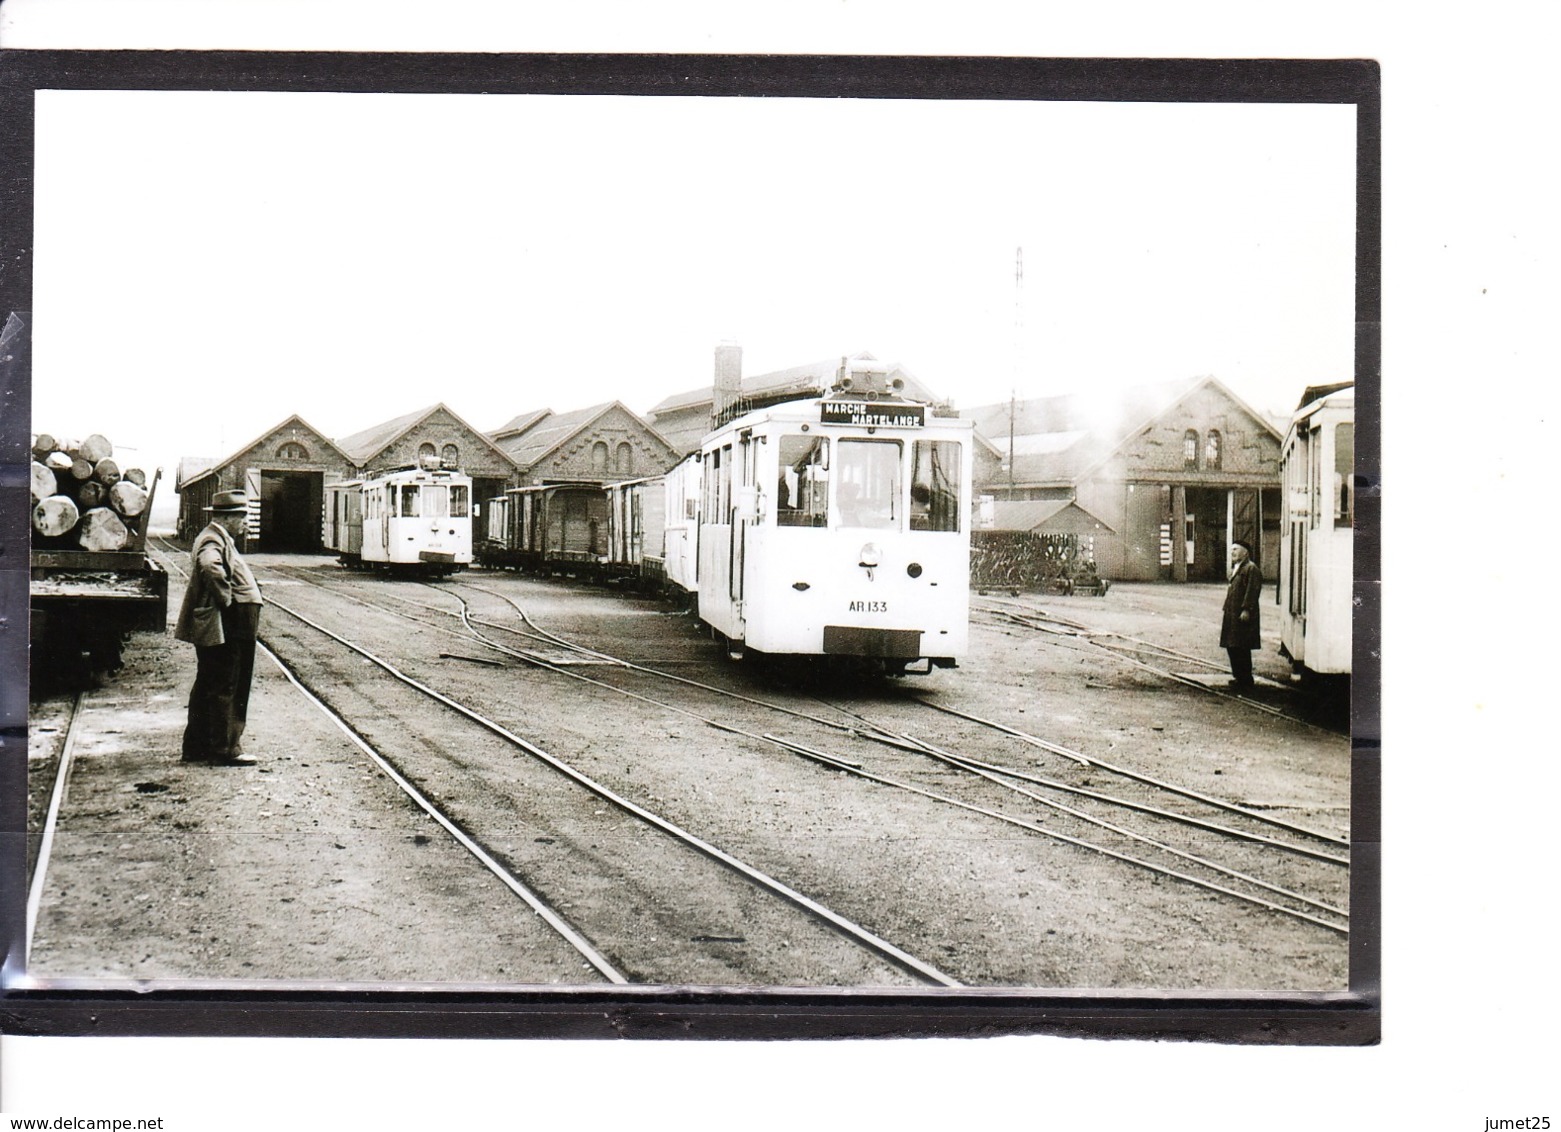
[[82, 498]]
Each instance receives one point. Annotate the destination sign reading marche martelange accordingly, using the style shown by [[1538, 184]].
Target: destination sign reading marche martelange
[[872, 414]]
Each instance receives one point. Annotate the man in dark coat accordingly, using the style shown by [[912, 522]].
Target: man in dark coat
[[220, 616], [1239, 630]]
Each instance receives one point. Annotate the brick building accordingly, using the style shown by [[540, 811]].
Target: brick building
[[284, 470], [603, 443], [1174, 474]]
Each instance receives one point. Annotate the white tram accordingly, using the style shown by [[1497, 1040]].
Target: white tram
[[834, 527], [416, 519], [1316, 543]]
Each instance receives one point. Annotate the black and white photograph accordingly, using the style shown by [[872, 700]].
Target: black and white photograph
[[506, 541], [767, 545]]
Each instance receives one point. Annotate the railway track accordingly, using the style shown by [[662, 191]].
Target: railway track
[[1232, 883], [1060, 632], [854, 933]]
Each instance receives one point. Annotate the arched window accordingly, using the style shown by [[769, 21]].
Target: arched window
[[451, 455], [1190, 448], [1212, 450], [599, 457], [625, 462], [426, 449], [292, 450]]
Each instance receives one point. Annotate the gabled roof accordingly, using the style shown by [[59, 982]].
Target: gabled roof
[[362, 447], [517, 425], [531, 446], [191, 464], [1029, 514]]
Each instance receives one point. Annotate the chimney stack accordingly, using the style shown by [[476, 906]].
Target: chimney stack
[[728, 380]]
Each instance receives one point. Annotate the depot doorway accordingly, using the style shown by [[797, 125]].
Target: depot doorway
[[291, 512]]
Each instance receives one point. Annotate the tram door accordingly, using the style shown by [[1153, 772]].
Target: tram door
[[746, 478], [718, 584]]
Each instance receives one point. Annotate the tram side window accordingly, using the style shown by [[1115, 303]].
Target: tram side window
[[868, 484], [802, 492], [1314, 476], [460, 500], [723, 484], [718, 485], [1344, 474], [711, 466], [935, 486], [409, 501]]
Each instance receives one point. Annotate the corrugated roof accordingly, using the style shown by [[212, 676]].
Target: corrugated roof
[[530, 446], [516, 425], [1030, 514], [360, 447]]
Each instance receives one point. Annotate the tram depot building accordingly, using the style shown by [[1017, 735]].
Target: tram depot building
[[1152, 486], [1161, 481]]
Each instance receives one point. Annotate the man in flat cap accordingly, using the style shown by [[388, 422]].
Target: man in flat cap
[[1239, 630], [221, 618]]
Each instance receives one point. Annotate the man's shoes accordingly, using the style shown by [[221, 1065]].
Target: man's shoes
[[221, 760]]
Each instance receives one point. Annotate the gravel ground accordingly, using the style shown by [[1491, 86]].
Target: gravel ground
[[315, 867]]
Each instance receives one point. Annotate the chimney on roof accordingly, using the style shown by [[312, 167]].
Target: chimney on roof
[[728, 379]]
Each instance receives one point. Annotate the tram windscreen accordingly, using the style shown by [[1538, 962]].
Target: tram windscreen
[[935, 486], [867, 484], [802, 492], [436, 500], [410, 506], [460, 500]]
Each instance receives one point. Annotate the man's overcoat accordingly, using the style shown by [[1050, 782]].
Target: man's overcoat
[[1245, 586]]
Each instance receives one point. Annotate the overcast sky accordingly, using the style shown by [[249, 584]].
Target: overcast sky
[[209, 263]]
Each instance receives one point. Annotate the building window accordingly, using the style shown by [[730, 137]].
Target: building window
[[1212, 450], [292, 450], [599, 458], [625, 459], [1190, 449], [451, 455], [425, 450]]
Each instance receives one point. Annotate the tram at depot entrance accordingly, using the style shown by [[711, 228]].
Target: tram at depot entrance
[[835, 527], [410, 520]]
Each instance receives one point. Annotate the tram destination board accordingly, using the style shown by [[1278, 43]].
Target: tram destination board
[[870, 413]]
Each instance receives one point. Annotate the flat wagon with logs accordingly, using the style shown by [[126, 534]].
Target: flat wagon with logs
[[92, 581]]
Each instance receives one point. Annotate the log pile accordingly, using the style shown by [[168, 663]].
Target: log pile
[[82, 499]]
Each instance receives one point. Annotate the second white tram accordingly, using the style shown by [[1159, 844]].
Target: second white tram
[[830, 527], [412, 519], [1317, 541]]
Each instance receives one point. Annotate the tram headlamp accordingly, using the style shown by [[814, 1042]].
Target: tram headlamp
[[870, 555]]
